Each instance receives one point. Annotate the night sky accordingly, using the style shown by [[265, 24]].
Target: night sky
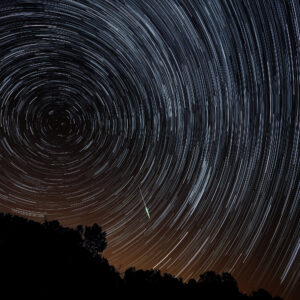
[[174, 125]]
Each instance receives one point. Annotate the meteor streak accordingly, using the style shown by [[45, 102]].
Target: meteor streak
[[146, 208]]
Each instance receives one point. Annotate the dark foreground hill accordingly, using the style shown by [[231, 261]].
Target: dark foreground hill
[[48, 261]]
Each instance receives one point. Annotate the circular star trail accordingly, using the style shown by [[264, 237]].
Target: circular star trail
[[175, 125]]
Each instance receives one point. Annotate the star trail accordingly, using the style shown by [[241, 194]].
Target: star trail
[[186, 111]]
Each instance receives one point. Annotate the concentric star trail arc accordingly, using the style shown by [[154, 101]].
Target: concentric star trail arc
[[192, 105]]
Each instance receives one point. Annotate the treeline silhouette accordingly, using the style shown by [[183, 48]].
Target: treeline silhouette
[[50, 261]]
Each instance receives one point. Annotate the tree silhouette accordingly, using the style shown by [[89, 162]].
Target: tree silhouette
[[94, 239], [47, 260], [229, 284], [261, 294]]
